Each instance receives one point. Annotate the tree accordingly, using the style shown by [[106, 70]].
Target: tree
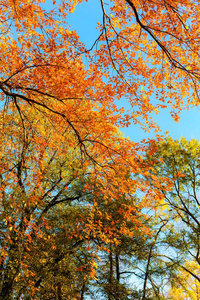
[[55, 204], [35, 177], [177, 162], [60, 139], [152, 48], [118, 223]]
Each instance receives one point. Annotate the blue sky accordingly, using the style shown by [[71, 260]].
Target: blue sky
[[84, 21]]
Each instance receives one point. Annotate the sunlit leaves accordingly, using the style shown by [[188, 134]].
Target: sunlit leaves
[[67, 175]]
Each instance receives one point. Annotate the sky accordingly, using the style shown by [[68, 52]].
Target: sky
[[84, 20]]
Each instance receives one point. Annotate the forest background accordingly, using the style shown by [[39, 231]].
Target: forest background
[[87, 212]]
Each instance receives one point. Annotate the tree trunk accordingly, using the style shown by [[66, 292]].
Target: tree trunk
[[110, 275]]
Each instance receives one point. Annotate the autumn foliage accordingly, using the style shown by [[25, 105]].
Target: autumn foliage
[[68, 177]]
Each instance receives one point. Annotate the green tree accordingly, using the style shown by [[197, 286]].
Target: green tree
[[177, 164]]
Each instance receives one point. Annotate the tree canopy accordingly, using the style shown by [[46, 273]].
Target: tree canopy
[[74, 192]]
